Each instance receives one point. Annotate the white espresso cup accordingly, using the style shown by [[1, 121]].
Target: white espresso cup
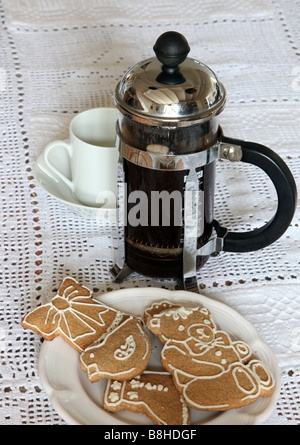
[[93, 157]]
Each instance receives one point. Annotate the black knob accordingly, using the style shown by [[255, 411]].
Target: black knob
[[171, 49]]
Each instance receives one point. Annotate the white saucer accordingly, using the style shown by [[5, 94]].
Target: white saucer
[[55, 187], [79, 402]]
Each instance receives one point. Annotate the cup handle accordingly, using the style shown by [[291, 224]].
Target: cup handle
[[280, 175], [64, 145]]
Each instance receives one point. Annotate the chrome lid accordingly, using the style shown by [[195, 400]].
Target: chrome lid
[[170, 88]]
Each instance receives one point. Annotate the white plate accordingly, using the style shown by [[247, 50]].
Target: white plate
[[79, 402], [55, 187]]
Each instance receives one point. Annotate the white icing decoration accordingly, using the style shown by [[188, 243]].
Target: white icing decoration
[[177, 313], [242, 348], [162, 304], [132, 395], [147, 344], [256, 364], [115, 323], [185, 412], [181, 328], [201, 333], [250, 378], [126, 350], [136, 384], [116, 385], [113, 397], [204, 311], [122, 398], [71, 297], [94, 369]]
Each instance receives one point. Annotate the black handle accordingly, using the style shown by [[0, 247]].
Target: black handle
[[171, 49], [285, 186]]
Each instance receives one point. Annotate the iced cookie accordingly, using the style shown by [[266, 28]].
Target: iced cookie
[[158, 307], [123, 352], [74, 315], [152, 394], [212, 371]]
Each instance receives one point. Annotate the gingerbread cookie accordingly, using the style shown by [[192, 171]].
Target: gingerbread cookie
[[212, 371], [74, 315], [158, 307], [152, 394], [123, 352]]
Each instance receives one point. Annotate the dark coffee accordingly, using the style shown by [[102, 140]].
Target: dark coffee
[[157, 250]]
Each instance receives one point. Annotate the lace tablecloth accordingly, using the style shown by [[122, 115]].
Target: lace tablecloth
[[58, 58]]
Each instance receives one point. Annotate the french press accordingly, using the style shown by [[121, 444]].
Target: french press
[[169, 140]]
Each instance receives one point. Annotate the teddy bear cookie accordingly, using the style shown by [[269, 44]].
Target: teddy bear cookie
[[121, 353], [153, 394], [211, 371]]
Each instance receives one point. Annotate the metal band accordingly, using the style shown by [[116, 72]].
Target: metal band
[[214, 246], [157, 158]]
